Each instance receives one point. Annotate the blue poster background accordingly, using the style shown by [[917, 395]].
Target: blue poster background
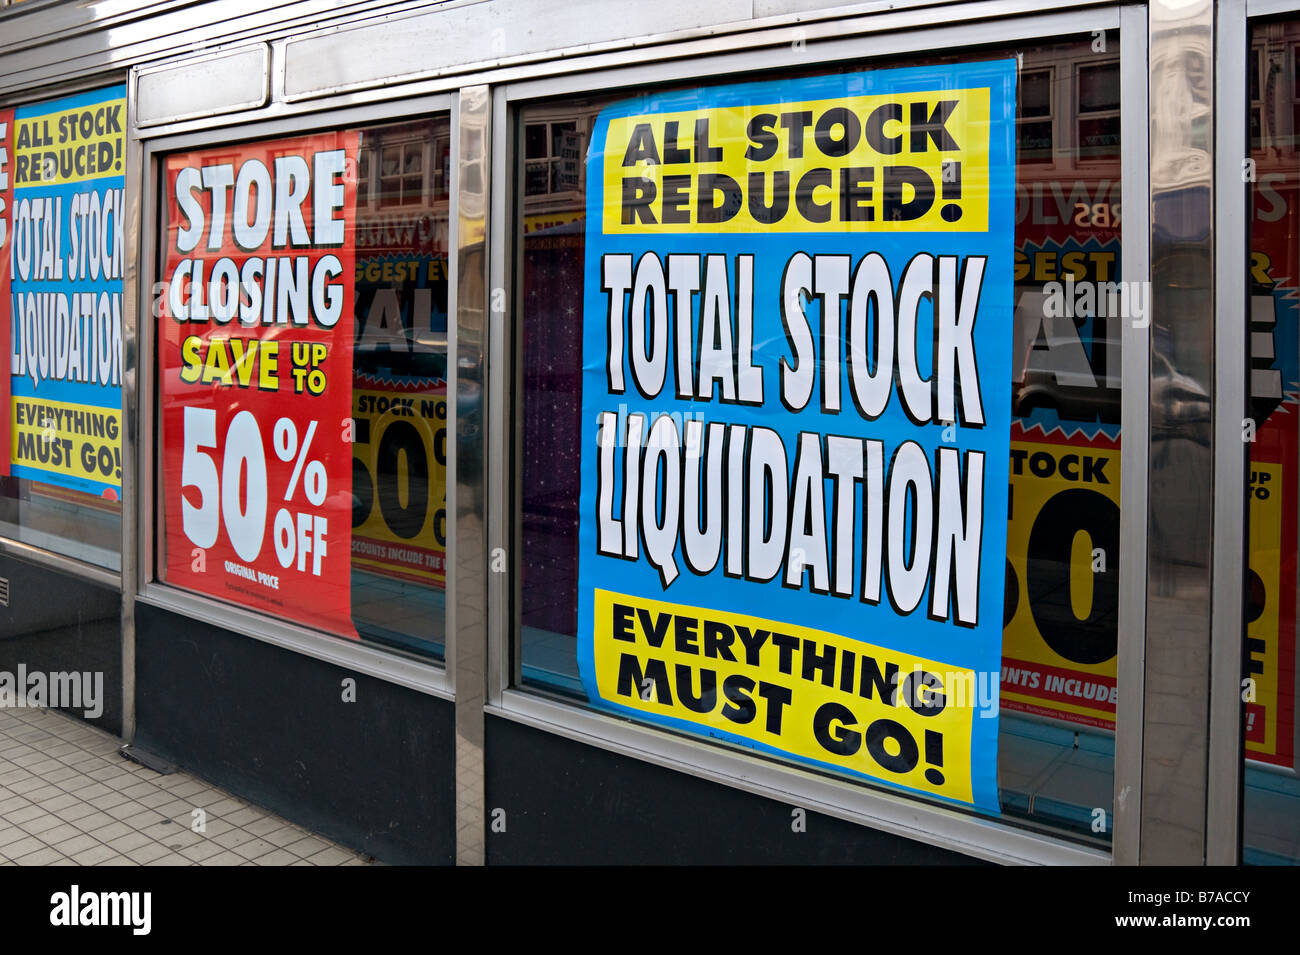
[[93, 394], [977, 648]]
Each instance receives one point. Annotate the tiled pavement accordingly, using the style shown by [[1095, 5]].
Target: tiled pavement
[[67, 797]]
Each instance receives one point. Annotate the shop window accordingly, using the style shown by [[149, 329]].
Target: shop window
[[302, 369], [62, 261], [1271, 815], [713, 591]]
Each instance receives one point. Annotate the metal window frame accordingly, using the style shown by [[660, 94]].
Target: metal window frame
[[1135, 360], [1225, 796], [900, 33], [150, 146]]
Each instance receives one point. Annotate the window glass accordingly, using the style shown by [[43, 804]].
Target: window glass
[[1042, 704], [62, 259], [303, 380], [1098, 121], [1272, 791]]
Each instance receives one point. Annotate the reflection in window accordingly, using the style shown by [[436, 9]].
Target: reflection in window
[[1098, 119], [399, 474], [1035, 130]]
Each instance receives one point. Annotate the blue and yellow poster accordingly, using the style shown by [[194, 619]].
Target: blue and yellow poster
[[797, 336], [67, 260]]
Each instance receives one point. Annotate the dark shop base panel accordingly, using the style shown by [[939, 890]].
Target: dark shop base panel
[[272, 727], [56, 624], [563, 802]]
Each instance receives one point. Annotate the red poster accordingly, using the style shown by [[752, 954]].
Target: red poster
[[255, 372], [6, 218]]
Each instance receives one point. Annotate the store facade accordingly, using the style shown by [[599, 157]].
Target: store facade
[[426, 419]]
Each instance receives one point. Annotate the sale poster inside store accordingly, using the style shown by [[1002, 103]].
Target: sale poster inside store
[[256, 374], [797, 329], [1274, 337], [62, 188], [399, 526], [1061, 634]]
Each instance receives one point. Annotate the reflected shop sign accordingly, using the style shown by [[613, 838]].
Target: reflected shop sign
[[796, 423]]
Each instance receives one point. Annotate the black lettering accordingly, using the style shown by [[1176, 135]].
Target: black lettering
[[934, 127], [638, 194], [641, 145], [841, 742], [762, 138], [875, 129], [803, 195]]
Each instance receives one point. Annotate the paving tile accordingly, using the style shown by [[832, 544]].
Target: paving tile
[[282, 837], [243, 817], [254, 848], [224, 805], [142, 819], [215, 827], [167, 831], [56, 833], [109, 800], [94, 855], [117, 859], [42, 856], [21, 847], [25, 814], [126, 810], [225, 858], [148, 853], [181, 811], [331, 856], [307, 847], [260, 827], [130, 841], [11, 834], [155, 797], [185, 786], [78, 810], [78, 843], [207, 799], [41, 823], [233, 838], [182, 839], [171, 858], [94, 820], [140, 789], [114, 830], [80, 785], [202, 850], [277, 857], [60, 800]]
